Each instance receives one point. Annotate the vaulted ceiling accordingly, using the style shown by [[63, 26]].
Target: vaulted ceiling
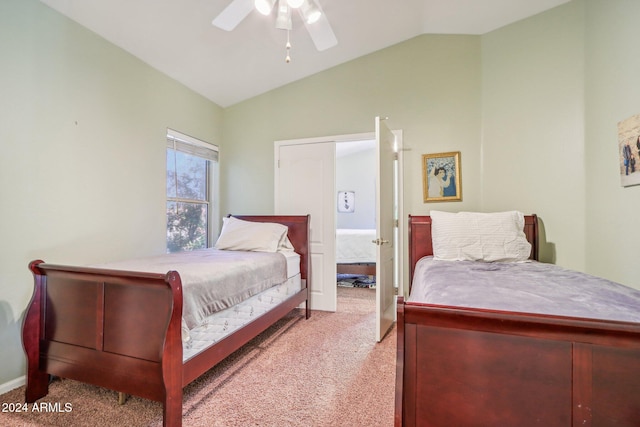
[[176, 36]]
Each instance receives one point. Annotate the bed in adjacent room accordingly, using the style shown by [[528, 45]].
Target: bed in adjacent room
[[490, 336], [355, 251], [149, 327]]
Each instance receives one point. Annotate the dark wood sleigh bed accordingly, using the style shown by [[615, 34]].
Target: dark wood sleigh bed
[[122, 330], [473, 367]]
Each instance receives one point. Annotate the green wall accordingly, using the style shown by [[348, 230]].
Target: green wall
[[428, 86], [82, 170], [612, 94], [533, 147], [554, 88]]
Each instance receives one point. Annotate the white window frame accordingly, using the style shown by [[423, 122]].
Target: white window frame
[[185, 143]]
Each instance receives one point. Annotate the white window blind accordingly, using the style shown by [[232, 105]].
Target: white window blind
[[187, 144], [192, 175]]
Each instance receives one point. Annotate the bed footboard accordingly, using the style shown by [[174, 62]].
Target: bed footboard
[[470, 367], [114, 329]]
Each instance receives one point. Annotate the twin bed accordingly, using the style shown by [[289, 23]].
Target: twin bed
[[355, 251], [559, 351], [150, 327]]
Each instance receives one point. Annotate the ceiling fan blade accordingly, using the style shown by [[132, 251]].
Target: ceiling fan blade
[[233, 14], [321, 32]]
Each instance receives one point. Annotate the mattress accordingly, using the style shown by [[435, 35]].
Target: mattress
[[526, 287], [220, 324], [355, 246], [293, 263]]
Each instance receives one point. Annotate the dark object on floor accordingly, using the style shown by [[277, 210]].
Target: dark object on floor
[[356, 281]]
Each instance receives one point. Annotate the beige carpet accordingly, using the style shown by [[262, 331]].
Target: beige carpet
[[325, 371]]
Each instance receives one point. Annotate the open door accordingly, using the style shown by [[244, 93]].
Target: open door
[[385, 224], [305, 184]]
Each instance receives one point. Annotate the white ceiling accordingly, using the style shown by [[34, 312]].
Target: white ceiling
[[176, 36]]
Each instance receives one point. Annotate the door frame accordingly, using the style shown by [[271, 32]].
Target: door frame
[[399, 254]]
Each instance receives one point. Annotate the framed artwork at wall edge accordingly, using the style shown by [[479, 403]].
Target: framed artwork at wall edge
[[629, 149], [441, 177]]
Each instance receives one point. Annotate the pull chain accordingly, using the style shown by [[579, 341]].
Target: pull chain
[[287, 59]]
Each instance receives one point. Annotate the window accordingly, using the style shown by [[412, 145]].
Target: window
[[192, 167]]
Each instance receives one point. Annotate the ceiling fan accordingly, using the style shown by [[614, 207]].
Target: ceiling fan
[[310, 11]]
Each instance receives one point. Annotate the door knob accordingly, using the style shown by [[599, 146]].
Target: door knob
[[379, 241]]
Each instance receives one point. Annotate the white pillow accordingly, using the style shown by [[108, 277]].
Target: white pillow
[[476, 236], [285, 244], [240, 235]]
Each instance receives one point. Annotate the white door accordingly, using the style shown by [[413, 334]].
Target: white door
[[305, 184], [385, 224]]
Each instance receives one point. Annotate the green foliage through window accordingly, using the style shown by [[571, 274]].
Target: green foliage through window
[[187, 201]]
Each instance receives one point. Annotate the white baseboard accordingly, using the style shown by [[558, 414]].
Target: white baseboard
[[18, 382]]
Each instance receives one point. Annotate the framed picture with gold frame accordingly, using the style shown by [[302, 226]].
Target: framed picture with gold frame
[[441, 178]]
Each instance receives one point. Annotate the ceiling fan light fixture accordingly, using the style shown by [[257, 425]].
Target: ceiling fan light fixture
[[283, 21], [295, 3], [310, 11], [264, 6]]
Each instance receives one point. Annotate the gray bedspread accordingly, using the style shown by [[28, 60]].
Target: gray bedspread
[[530, 287], [213, 279]]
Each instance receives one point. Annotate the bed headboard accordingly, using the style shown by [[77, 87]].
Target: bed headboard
[[298, 233], [420, 238]]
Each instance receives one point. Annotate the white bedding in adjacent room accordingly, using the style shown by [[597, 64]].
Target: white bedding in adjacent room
[[355, 246]]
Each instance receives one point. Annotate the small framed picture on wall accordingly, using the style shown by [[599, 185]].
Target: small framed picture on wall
[[346, 201], [441, 178]]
